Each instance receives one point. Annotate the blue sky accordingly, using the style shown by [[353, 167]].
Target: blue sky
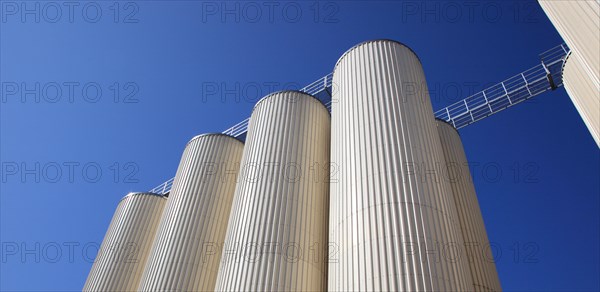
[[123, 90]]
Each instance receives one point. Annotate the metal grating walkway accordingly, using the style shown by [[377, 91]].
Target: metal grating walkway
[[538, 79]]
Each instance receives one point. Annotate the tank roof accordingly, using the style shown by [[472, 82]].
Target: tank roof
[[372, 41]]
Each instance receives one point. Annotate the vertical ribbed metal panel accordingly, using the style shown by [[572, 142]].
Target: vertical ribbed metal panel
[[278, 225], [392, 217], [578, 22], [127, 243], [187, 249], [584, 94], [477, 245]]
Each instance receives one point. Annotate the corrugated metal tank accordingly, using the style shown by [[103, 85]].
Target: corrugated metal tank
[[126, 245], [584, 94], [392, 216], [477, 245], [578, 22], [187, 249], [278, 225]]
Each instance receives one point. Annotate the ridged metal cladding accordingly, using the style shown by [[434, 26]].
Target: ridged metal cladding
[[584, 94], [393, 221], [187, 249], [277, 231], [477, 246], [578, 22], [127, 243]]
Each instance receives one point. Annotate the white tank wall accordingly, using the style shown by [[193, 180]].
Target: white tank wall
[[584, 94], [390, 226], [578, 22], [126, 245], [477, 246], [281, 199], [187, 249]]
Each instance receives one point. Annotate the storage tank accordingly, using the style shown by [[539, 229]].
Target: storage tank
[[393, 219], [584, 94], [278, 225], [187, 249], [126, 245], [578, 22], [477, 246]]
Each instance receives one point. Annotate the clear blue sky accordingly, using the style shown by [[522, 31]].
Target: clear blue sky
[[542, 212]]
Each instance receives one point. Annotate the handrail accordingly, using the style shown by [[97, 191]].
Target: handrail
[[541, 78]]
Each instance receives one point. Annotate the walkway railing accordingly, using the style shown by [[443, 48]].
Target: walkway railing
[[514, 90], [543, 77]]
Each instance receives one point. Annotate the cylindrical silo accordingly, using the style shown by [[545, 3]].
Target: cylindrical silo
[[187, 249], [578, 22], [584, 93], [477, 246], [278, 225], [127, 243], [393, 220]]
